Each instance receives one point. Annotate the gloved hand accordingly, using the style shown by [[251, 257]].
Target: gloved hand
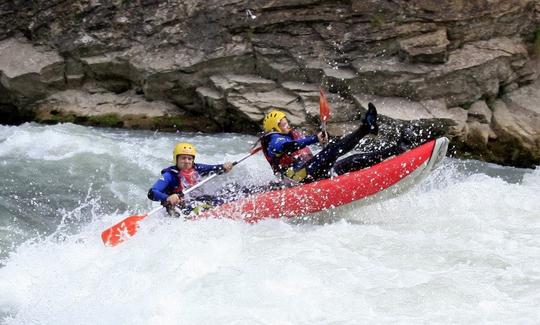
[[323, 137], [227, 166], [174, 199]]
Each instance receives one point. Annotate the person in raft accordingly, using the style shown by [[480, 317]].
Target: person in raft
[[287, 151], [181, 176]]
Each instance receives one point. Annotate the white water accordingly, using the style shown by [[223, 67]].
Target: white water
[[463, 247]]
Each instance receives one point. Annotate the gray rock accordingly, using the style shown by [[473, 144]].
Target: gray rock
[[426, 48], [518, 130], [480, 112], [27, 71], [478, 135], [223, 64]]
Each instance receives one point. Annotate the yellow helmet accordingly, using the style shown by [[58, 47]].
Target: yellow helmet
[[271, 121], [183, 148]]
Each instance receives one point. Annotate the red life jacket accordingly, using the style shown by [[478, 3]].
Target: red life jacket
[[282, 162], [186, 179]]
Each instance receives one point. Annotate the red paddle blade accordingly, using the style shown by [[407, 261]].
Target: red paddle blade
[[323, 107], [121, 231]]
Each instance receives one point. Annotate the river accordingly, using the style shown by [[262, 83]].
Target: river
[[461, 247]]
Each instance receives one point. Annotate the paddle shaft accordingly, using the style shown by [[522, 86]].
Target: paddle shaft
[[209, 178], [201, 183]]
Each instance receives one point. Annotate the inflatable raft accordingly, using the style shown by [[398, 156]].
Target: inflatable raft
[[387, 177]]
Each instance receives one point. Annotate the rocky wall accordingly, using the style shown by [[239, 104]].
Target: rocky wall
[[467, 69]]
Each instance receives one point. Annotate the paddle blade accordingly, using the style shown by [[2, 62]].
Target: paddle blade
[[121, 231], [324, 107]]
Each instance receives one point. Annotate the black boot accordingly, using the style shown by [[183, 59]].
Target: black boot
[[370, 120]]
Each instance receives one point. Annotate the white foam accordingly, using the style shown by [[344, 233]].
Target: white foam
[[462, 248]]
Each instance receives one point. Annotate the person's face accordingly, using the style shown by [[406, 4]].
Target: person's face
[[184, 162], [284, 125]]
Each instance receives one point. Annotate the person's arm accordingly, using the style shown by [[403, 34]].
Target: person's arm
[[283, 145], [204, 169], [158, 190]]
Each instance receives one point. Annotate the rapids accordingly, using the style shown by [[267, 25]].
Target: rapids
[[461, 247]]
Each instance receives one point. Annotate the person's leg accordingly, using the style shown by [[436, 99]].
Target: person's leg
[[201, 203], [319, 166], [364, 160]]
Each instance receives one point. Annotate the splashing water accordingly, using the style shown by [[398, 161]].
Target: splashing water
[[461, 247]]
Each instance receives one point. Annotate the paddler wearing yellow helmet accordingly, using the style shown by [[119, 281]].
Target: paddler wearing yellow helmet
[[288, 153], [184, 174], [272, 121]]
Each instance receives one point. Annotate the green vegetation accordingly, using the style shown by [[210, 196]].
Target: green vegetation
[[107, 120], [55, 117], [467, 105], [377, 20], [490, 101], [250, 34], [168, 123], [537, 42], [131, 121]]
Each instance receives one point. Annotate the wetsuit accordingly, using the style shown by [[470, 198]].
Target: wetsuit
[[279, 150], [173, 181]]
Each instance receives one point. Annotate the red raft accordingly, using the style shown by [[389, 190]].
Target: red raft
[[392, 175]]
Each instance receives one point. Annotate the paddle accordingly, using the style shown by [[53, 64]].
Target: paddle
[[324, 112], [129, 226]]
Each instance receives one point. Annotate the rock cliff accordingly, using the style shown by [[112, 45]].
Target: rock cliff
[[467, 69]]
